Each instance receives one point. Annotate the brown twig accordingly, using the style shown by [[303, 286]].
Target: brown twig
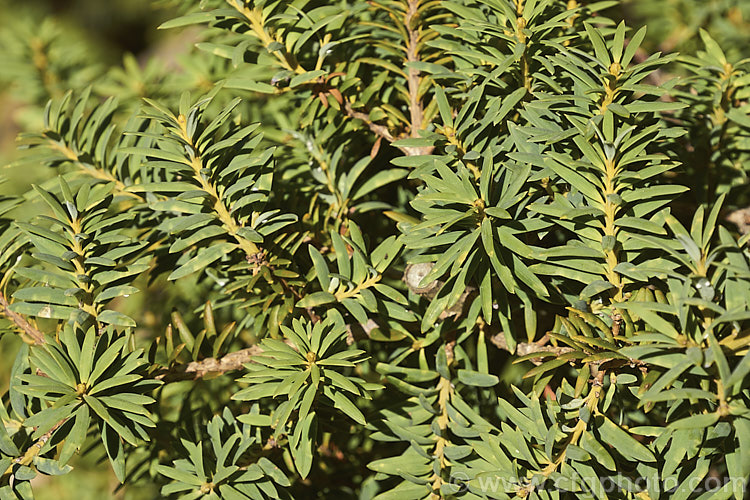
[[309, 310], [416, 110], [416, 107], [524, 348], [413, 79], [235, 360], [22, 323], [35, 448], [379, 130], [209, 366]]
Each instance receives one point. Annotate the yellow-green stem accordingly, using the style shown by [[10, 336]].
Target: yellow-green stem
[[221, 210], [88, 304], [445, 391], [342, 293], [592, 403], [257, 25], [90, 170]]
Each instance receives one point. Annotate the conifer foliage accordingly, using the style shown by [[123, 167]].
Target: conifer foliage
[[395, 249]]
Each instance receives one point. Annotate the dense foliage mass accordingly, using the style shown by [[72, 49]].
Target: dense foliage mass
[[395, 249]]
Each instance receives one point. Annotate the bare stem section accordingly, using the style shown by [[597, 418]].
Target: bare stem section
[[32, 333]]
